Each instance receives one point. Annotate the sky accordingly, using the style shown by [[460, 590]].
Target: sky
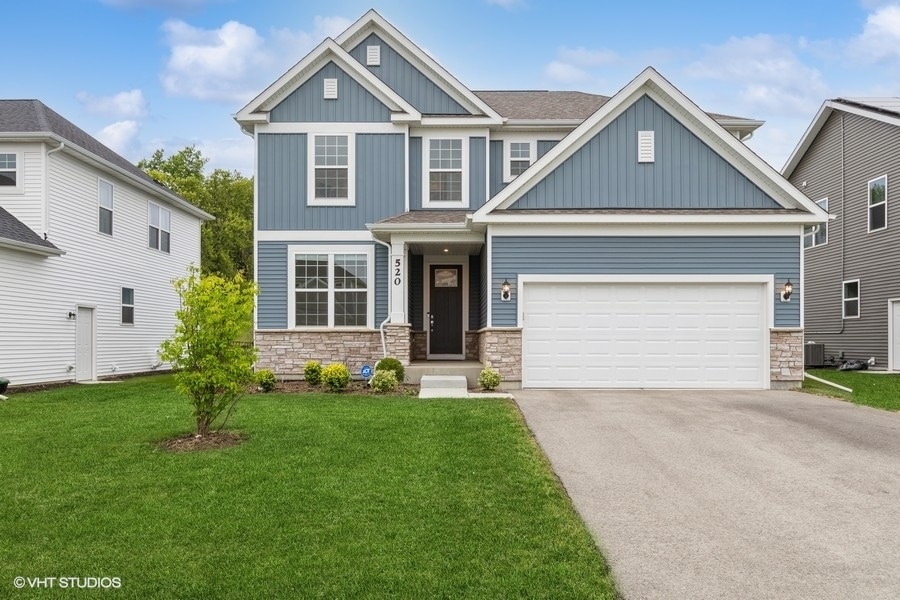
[[141, 75]]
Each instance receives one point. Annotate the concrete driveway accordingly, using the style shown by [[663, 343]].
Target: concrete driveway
[[730, 494]]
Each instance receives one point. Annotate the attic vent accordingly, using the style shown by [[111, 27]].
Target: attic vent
[[646, 147], [373, 56], [331, 89]]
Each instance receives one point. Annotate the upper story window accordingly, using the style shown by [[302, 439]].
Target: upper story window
[[445, 170], [878, 203], [816, 235], [517, 158], [332, 177], [9, 175], [105, 202], [160, 228]]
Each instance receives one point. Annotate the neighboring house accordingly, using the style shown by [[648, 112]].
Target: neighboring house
[[568, 239], [89, 246], [848, 162]]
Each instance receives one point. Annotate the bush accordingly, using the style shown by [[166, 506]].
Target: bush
[[384, 381], [489, 379], [312, 372], [336, 376], [391, 364], [266, 381]]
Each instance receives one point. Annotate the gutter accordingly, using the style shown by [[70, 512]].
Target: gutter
[[31, 248]]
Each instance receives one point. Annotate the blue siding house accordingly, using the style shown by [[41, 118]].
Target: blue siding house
[[567, 239]]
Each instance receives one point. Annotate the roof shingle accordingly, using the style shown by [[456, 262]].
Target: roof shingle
[[16, 231]]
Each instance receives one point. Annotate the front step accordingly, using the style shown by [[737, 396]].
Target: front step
[[469, 369], [443, 386]]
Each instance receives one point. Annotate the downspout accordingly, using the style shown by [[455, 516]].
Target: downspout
[[388, 318], [62, 144]]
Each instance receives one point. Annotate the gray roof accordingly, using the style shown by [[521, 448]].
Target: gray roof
[[888, 104], [15, 230], [437, 217]]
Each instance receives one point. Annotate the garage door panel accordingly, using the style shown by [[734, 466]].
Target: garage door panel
[[687, 335]]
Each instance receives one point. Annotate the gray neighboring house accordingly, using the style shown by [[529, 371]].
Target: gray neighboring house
[[848, 162]]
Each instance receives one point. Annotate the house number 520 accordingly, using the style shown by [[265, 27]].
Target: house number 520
[[397, 271]]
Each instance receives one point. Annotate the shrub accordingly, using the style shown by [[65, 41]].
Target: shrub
[[489, 379], [390, 363], [384, 381], [336, 376], [312, 372], [266, 380]]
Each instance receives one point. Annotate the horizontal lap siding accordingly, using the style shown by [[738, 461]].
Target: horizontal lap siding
[[27, 206], [604, 172], [514, 255], [353, 104]]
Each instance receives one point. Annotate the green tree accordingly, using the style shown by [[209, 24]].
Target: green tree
[[211, 366], [226, 244]]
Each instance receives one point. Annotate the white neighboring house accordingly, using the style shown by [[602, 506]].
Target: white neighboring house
[[89, 246]]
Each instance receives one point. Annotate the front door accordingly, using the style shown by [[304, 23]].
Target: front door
[[445, 322]]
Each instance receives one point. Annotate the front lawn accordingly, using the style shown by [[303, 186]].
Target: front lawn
[[871, 389], [328, 496]]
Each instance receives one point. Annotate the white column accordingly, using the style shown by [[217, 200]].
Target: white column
[[398, 282]]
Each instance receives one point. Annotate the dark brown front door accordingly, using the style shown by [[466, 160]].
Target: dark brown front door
[[445, 319]]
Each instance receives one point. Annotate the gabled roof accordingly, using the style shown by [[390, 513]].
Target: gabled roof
[[17, 235], [372, 21], [32, 120], [886, 110], [701, 124], [257, 110]]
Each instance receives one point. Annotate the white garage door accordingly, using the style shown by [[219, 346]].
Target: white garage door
[[644, 335]]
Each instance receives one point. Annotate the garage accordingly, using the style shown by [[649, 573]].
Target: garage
[[706, 333]]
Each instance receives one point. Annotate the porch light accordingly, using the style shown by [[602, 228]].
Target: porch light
[[504, 291], [787, 291]]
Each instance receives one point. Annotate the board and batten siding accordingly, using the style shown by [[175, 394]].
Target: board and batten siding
[[408, 81], [496, 162], [775, 255], [605, 173], [272, 277], [37, 339], [282, 185], [870, 149], [354, 103], [27, 205], [477, 167]]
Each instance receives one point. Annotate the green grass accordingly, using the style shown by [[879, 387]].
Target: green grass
[[871, 389], [329, 496]]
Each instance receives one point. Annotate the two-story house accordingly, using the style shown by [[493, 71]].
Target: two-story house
[[568, 239], [847, 162], [89, 246]]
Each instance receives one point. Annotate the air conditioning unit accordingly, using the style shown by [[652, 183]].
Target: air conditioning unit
[[813, 355]]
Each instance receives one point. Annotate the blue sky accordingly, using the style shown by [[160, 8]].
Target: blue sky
[[147, 74]]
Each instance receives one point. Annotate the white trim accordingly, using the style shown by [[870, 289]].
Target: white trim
[[733, 229], [93, 309], [502, 217], [451, 122], [815, 229], [869, 205], [646, 146], [159, 228], [428, 261], [489, 245], [327, 127], [330, 88], [19, 188], [373, 55], [330, 250], [858, 299], [893, 361], [311, 167], [426, 170], [111, 209], [295, 235], [802, 282], [256, 232]]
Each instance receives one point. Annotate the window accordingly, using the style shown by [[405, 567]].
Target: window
[[331, 180], [127, 306], [160, 228], [851, 299], [816, 235], [332, 289], [9, 175], [878, 203], [105, 201], [445, 160]]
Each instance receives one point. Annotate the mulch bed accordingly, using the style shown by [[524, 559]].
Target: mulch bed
[[215, 440], [355, 387]]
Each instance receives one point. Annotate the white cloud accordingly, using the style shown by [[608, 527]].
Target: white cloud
[[121, 137], [582, 57], [565, 73], [769, 73], [880, 39], [233, 63], [126, 105]]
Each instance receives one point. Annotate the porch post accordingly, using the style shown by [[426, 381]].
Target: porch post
[[398, 281]]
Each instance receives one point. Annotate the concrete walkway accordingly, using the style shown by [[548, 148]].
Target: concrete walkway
[[730, 494]]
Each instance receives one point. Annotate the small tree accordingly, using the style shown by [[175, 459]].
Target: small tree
[[212, 367]]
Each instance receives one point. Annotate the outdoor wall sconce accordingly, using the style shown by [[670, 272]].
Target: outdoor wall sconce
[[787, 291], [71, 315], [504, 291]]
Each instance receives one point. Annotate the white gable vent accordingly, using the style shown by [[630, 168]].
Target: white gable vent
[[373, 56], [331, 89], [646, 147]]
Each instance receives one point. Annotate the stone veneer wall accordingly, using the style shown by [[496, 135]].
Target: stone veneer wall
[[786, 357], [285, 352], [418, 345], [397, 341], [502, 350], [472, 348]]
